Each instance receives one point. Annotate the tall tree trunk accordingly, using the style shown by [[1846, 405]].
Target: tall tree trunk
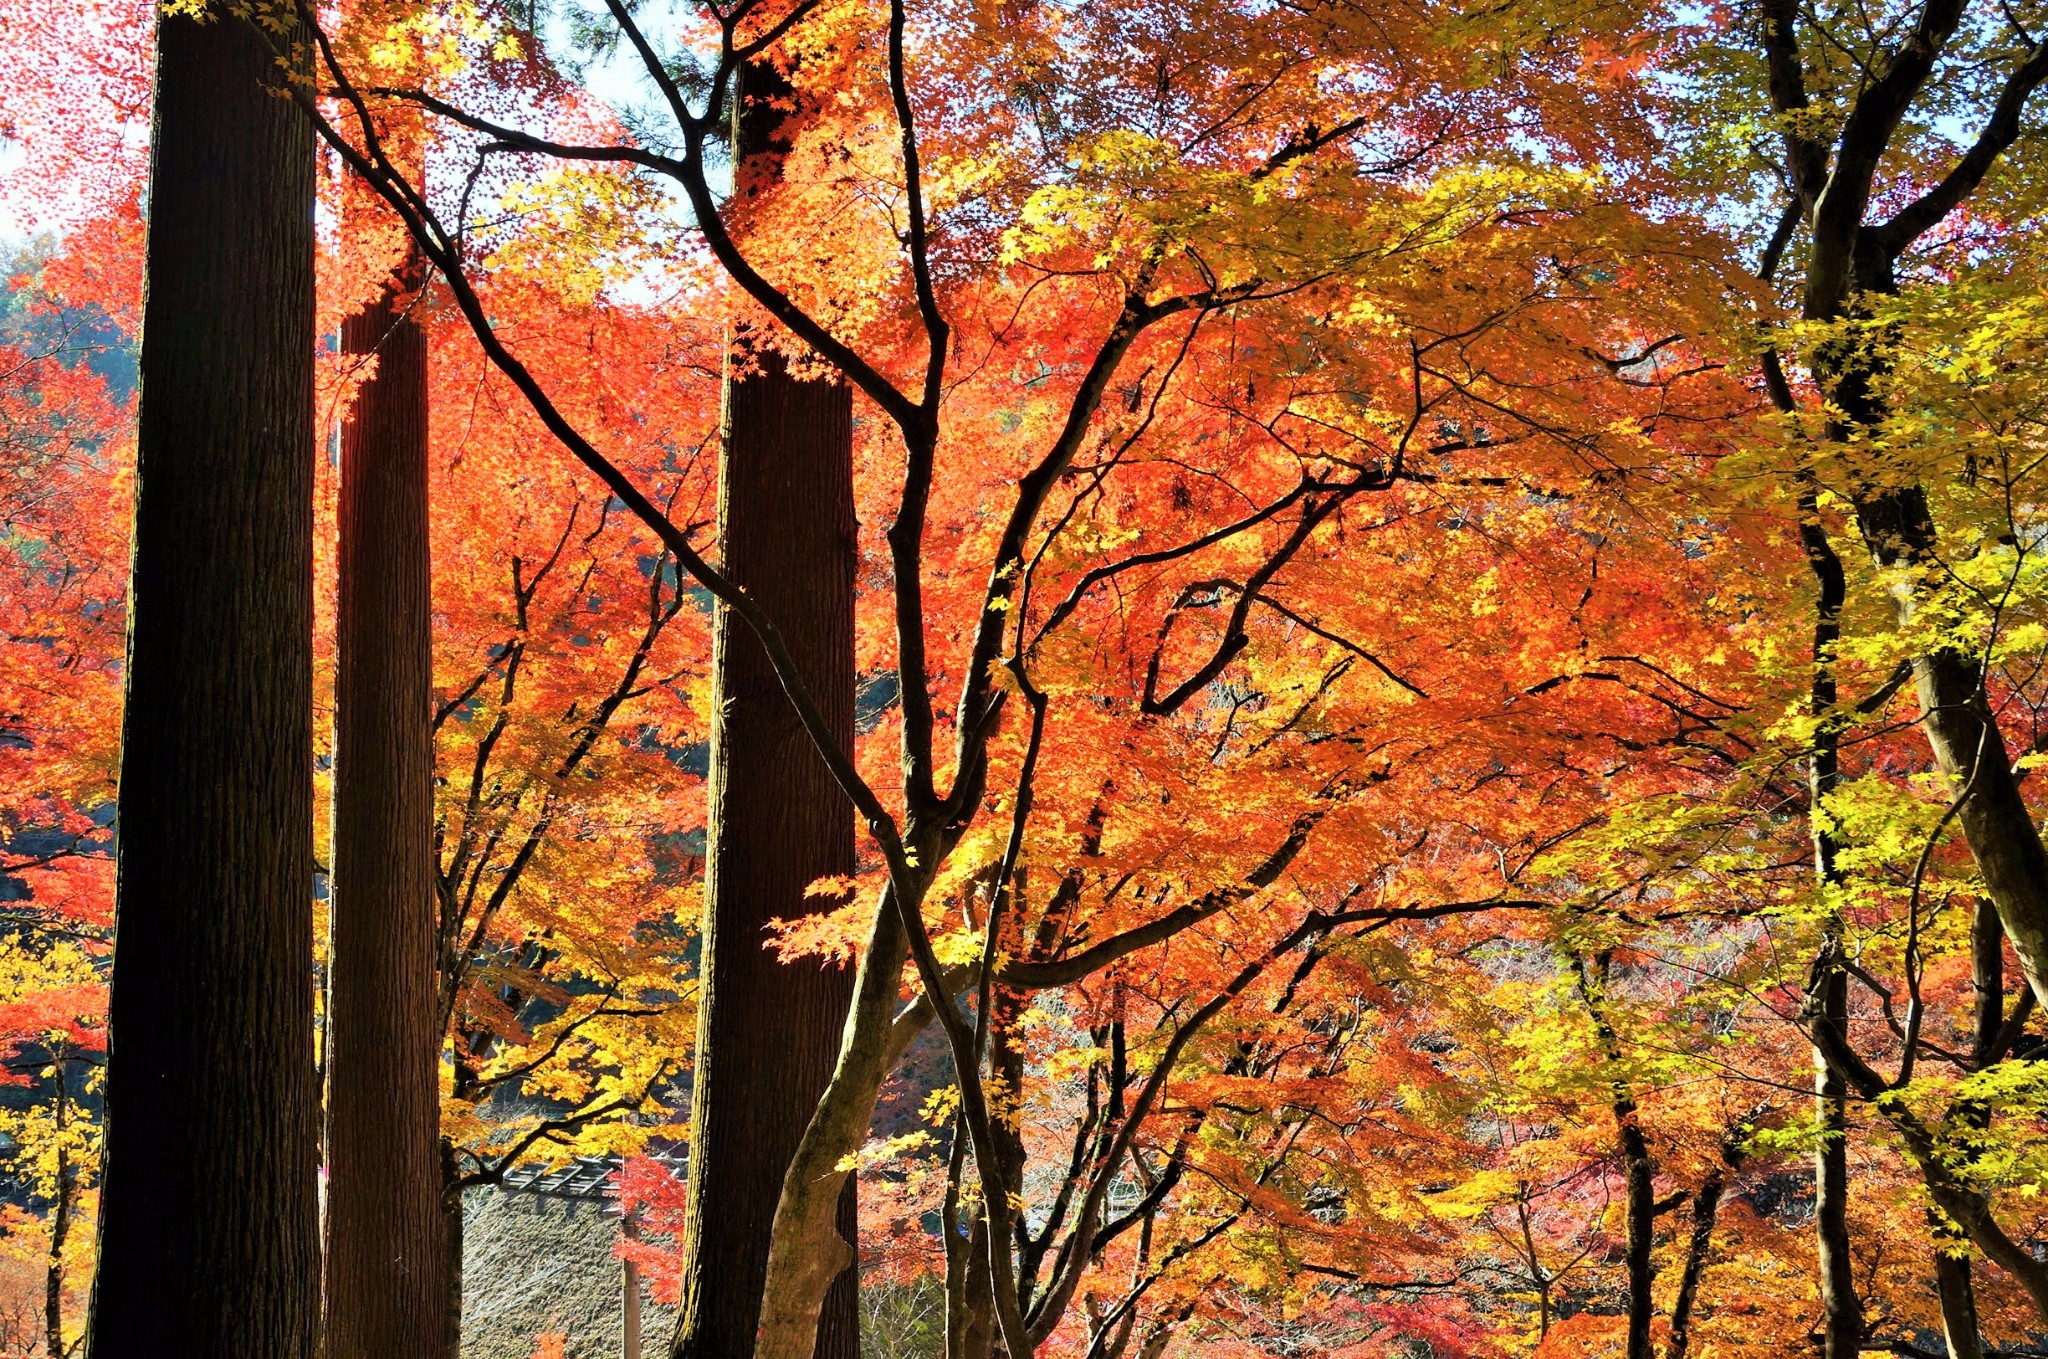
[[1955, 712], [384, 1251], [1642, 1220], [60, 1219], [1841, 1308], [1957, 1294], [1827, 1001], [629, 1287], [1848, 259], [1853, 260], [1952, 1282], [450, 1205], [768, 1033], [1639, 1169], [209, 1229], [1706, 1209]]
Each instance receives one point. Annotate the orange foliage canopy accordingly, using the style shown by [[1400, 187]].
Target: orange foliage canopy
[[1335, 640]]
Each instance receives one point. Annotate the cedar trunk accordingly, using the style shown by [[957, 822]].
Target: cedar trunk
[[768, 1032], [209, 1234], [385, 1255]]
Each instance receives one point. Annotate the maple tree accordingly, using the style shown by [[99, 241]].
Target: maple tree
[[916, 856]]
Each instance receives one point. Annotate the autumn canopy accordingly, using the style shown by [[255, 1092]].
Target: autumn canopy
[[1017, 678]]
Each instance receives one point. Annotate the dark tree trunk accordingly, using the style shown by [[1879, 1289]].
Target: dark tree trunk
[[1006, 1070], [1955, 1290], [1706, 1209], [768, 1033], [384, 1251], [209, 1231], [1640, 1174], [1955, 712], [60, 1221], [1827, 992], [450, 1205], [1639, 1168], [1953, 1284], [1847, 259], [1841, 1308]]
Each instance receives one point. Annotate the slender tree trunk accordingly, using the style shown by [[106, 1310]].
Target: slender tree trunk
[[1841, 1308], [768, 1033], [1952, 1282], [1958, 1295], [60, 1221], [629, 1285], [1639, 1169], [970, 1315], [209, 1229], [1539, 1277], [450, 1205], [1642, 1222], [1006, 1075], [384, 1249], [1706, 1210], [1828, 989], [970, 1312]]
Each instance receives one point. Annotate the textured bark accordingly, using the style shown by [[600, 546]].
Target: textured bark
[[768, 1033], [385, 1256], [209, 1233]]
